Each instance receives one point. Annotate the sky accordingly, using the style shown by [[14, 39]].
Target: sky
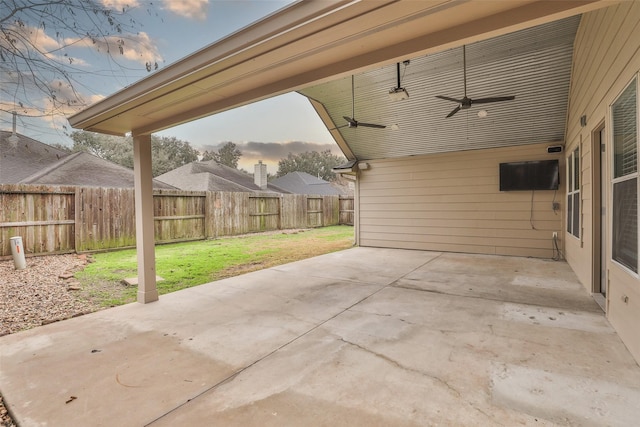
[[164, 32]]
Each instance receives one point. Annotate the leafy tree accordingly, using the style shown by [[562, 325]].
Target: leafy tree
[[93, 143], [314, 163], [40, 76], [229, 154], [167, 152], [115, 149]]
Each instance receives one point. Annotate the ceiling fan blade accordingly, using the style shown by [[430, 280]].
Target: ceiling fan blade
[[455, 110], [446, 98], [494, 99], [371, 125], [352, 122]]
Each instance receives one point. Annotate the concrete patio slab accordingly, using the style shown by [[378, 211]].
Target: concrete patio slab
[[359, 337]]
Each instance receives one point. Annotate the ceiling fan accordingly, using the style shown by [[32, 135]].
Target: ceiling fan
[[466, 102], [351, 121]]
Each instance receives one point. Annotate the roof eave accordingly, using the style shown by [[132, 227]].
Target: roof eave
[[301, 45], [250, 37]]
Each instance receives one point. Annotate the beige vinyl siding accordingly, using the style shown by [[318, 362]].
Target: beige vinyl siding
[[606, 58], [451, 202]]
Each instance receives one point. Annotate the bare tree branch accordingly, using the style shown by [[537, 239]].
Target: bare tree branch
[[39, 74]]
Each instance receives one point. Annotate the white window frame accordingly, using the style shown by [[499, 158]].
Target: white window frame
[[615, 180], [574, 169]]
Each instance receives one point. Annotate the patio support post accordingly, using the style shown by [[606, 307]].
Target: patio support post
[[147, 290]]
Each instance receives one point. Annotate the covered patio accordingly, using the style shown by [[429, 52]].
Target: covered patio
[[366, 336]]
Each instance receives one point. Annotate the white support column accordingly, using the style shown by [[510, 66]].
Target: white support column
[[147, 291]]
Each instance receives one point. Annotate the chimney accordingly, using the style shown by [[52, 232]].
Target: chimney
[[260, 175]]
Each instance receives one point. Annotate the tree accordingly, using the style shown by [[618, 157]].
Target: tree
[[229, 155], [115, 149], [38, 39], [167, 152], [314, 163]]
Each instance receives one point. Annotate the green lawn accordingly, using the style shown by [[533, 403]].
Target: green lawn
[[183, 265]]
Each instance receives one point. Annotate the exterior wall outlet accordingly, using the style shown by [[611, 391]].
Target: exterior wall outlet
[[555, 235]]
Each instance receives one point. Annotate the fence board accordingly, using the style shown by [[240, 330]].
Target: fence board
[[294, 211], [54, 219], [179, 215], [346, 210], [42, 215], [314, 211], [231, 213], [264, 213], [106, 218], [330, 210]]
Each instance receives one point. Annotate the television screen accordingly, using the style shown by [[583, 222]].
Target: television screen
[[533, 175]]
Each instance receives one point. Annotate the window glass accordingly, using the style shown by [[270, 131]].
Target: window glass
[[624, 239], [570, 173], [625, 133], [576, 169], [576, 214], [625, 223], [569, 213]]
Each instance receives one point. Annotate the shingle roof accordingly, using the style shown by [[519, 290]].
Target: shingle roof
[[33, 162], [27, 157], [304, 183], [213, 176], [85, 169]]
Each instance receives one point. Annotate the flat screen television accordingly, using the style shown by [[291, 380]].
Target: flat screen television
[[532, 175]]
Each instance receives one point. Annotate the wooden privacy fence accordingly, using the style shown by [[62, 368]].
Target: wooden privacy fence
[[54, 219]]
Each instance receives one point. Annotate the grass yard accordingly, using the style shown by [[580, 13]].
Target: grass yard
[[183, 265]]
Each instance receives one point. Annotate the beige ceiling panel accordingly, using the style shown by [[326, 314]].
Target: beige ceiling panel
[[533, 64]]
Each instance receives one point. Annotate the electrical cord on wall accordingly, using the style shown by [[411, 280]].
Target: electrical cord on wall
[[531, 212], [557, 253]]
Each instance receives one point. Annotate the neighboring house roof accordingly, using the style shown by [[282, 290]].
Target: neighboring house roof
[[304, 183], [85, 169], [27, 157], [213, 176], [33, 162]]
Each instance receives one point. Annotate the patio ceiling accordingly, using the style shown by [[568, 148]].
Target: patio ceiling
[[533, 64], [308, 43]]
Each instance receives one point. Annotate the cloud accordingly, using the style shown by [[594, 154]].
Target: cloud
[[274, 150], [271, 152], [136, 47], [36, 41], [120, 4], [193, 9], [67, 102]]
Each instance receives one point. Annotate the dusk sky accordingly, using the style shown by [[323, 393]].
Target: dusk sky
[[168, 31]]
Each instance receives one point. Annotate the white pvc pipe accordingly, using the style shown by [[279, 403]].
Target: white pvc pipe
[[17, 250]]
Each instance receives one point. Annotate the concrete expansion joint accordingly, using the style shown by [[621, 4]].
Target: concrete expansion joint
[[410, 272], [402, 367]]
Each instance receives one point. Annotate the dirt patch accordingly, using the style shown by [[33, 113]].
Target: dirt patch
[[42, 293]]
